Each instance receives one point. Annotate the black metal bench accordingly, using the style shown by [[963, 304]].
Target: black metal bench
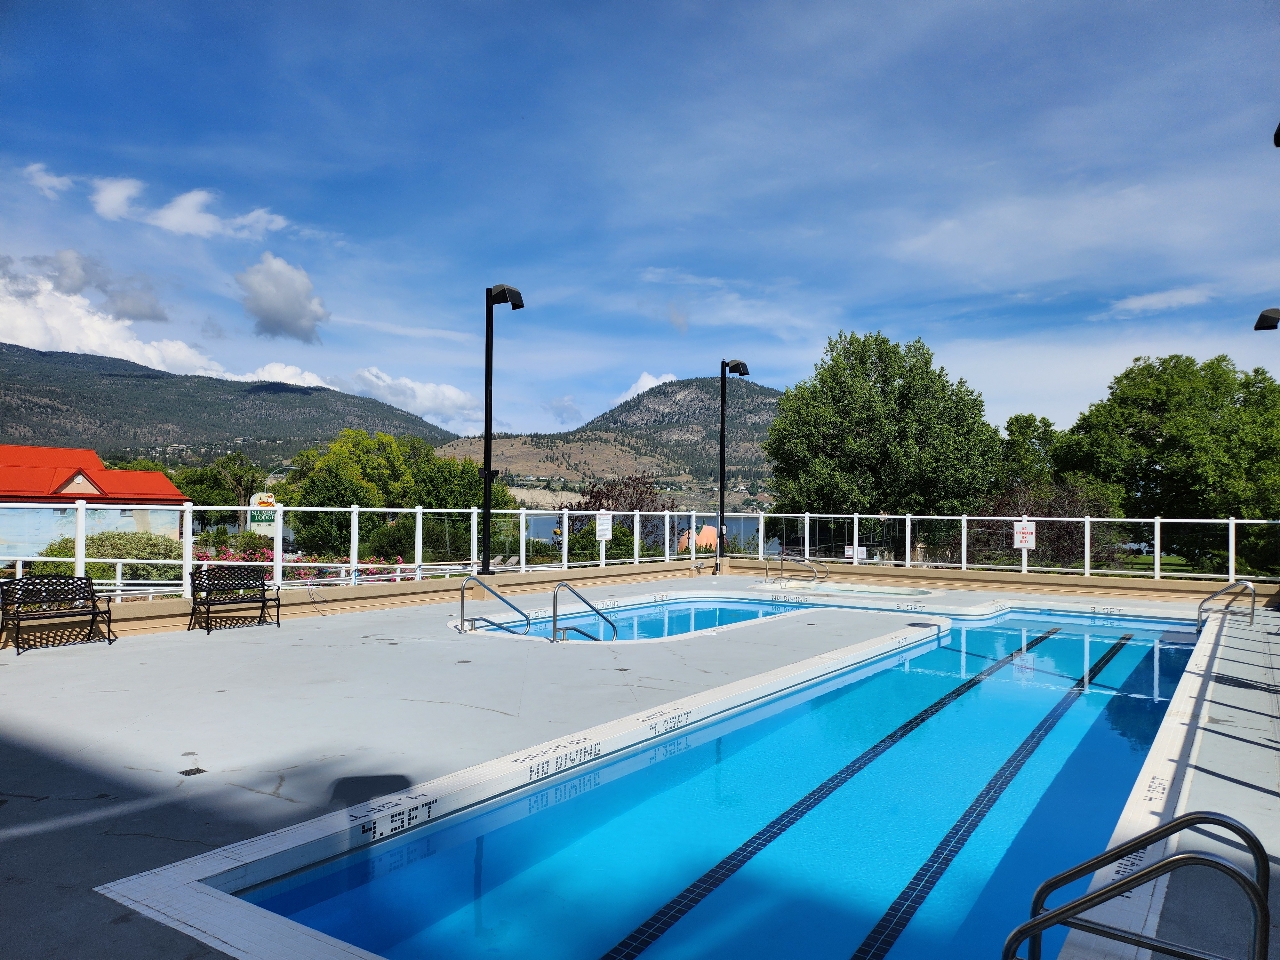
[[51, 597], [230, 586]]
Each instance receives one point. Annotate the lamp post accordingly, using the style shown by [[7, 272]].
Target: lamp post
[[496, 294], [738, 368]]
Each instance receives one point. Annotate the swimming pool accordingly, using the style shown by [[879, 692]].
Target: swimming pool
[[664, 618], [909, 813]]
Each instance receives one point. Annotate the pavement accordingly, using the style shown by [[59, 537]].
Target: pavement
[[286, 724]]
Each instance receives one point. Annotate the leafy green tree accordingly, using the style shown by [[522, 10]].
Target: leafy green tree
[[879, 428], [1026, 453], [374, 471], [1187, 439]]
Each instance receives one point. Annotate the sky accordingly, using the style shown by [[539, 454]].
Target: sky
[[319, 193]]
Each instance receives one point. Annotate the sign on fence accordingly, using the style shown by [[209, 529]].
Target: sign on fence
[[1024, 535], [604, 525], [263, 520]]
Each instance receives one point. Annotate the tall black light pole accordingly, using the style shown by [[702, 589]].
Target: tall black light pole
[[727, 367], [496, 294]]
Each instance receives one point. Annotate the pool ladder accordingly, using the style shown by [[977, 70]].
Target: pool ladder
[[1233, 585], [1256, 888], [466, 626], [810, 565], [562, 633]]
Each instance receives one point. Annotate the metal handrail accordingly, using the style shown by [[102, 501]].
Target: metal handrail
[[555, 616], [1253, 604], [462, 610], [1261, 881], [1068, 914], [799, 561]]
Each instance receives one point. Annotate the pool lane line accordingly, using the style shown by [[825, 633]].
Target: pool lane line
[[890, 926], [643, 936]]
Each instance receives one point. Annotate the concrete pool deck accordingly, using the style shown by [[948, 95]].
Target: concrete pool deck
[[291, 723]]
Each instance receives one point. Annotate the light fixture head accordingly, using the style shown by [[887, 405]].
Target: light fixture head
[[738, 367], [1268, 319], [505, 294]]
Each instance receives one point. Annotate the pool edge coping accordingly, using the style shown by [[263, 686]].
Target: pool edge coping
[[180, 894]]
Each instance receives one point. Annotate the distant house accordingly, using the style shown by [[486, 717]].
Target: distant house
[[59, 477]]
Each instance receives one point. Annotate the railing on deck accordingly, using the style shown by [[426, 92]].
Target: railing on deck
[[446, 543]]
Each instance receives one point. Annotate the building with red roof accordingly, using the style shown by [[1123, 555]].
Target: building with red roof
[[63, 476]]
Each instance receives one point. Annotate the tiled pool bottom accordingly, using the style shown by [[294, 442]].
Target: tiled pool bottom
[[909, 814]]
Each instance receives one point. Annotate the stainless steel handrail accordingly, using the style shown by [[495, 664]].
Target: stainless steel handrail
[[1253, 604], [799, 561], [1069, 914], [555, 615], [462, 610]]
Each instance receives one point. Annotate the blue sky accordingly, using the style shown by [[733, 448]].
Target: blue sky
[[321, 192]]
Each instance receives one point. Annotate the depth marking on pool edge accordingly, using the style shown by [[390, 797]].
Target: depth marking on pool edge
[[644, 935], [886, 932]]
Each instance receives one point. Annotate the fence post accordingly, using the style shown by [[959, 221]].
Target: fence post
[[417, 541], [666, 536], [601, 542], [523, 534], [1156, 547], [188, 547], [1230, 548], [760, 536], [355, 543], [855, 539], [693, 535], [908, 541], [475, 540], [80, 534], [277, 555], [564, 539], [119, 578], [1024, 568], [964, 542], [806, 535], [1088, 552], [635, 537]]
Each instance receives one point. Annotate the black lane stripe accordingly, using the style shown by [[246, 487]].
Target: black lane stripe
[[886, 932], [642, 936]]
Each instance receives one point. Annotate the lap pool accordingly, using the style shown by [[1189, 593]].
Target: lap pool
[[907, 809]]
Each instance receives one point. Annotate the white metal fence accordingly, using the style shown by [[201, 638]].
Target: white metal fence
[[446, 543]]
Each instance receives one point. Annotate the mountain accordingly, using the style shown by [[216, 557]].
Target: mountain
[[672, 430], [120, 408]]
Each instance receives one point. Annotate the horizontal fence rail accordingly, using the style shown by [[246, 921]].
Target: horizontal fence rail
[[445, 543]]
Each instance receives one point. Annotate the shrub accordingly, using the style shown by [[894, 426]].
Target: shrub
[[122, 544]]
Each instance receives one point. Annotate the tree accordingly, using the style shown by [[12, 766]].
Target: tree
[[624, 495], [1187, 439], [1026, 453], [879, 428], [374, 471], [227, 482]]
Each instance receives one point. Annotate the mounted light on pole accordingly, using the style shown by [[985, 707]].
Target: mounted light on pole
[[737, 368], [501, 293]]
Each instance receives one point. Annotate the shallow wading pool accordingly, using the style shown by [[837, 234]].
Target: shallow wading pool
[[906, 809], [661, 619]]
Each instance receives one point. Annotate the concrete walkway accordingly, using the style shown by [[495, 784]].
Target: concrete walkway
[[289, 723]]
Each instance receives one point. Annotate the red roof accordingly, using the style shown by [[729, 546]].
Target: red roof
[[58, 475]]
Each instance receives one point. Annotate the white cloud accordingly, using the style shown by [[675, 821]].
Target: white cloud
[[71, 272], [113, 197], [185, 215], [646, 381], [280, 299], [34, 314], [563, 409], [44, 181], [277, 372], [1165, 300], [438, 402]]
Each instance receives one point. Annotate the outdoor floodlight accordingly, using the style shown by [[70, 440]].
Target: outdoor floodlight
[[1268, 319], [505, 294], [738, 368], [498, 293]]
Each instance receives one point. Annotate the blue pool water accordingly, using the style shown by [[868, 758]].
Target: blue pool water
[[654, 621], [909, 814]]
